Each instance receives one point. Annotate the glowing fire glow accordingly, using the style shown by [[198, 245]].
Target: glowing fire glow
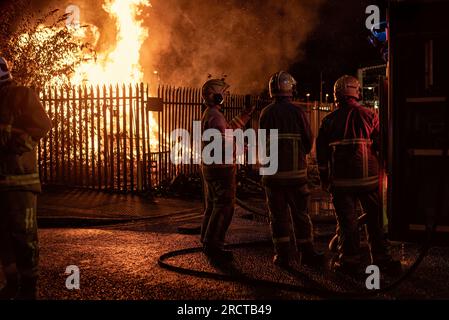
[[121, 64]]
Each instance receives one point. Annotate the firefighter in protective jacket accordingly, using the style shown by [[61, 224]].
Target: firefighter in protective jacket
[[347, 146], [288, 187], [219, 178], [23, 122]]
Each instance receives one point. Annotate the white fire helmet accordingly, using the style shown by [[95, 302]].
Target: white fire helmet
[[282, 84], [347, 86], [213, 91], [5, 74]]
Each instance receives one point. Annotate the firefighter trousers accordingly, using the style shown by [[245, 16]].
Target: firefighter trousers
[[279, 200], [219, 192], [345, 203], [18, 232]]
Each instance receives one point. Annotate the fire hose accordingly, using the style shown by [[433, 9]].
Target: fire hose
[[317, 288]]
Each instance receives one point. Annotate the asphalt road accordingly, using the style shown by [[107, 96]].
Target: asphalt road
[[119, 262]]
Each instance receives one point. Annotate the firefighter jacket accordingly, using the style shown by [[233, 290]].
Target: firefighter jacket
[[213, 118], [294, 141], [347, 146], [23, 121]]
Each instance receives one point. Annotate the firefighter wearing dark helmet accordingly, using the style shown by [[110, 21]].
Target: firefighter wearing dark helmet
[[23, 122], [287, 188], [347, 146], [219, 178]]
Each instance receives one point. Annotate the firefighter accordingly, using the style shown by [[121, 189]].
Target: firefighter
[[219, 179], [23, 122], [347, 147], [288, 187]]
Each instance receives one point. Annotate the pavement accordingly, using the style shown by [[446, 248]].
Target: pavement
[[116, 240], [79, 207]]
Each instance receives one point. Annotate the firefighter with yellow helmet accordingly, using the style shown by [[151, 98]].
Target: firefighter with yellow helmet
[[219, 178], [287, 188], [23, 121], [347, 147]]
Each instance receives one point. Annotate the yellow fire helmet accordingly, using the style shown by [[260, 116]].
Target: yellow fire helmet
[[347, 86], [213, 91], [282, 84]]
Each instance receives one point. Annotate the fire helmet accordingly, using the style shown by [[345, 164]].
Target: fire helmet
[[213, 91], [282, 84], [347, 86], [5, 74]]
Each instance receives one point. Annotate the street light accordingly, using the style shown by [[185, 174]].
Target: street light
[[308, 97]]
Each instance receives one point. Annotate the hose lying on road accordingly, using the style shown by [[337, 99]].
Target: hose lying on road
[[317, 289]]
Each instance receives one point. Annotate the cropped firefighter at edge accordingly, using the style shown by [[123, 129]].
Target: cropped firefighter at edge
[[288, 187], [219, 179], [23, 122], [347, 153]]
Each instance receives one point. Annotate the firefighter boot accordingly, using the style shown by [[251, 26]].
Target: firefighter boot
[[27, 289], [9, 291], [218, 255], [310, 257]]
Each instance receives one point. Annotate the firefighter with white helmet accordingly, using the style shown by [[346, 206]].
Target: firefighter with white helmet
[[347, 146], [288, 187], [23, 121], [219, 178]]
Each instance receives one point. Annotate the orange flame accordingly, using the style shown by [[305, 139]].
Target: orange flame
[[121, 64]]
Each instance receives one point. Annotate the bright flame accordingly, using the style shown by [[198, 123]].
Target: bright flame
[[121, 65]]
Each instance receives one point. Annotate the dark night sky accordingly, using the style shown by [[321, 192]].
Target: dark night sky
[[338, 45]]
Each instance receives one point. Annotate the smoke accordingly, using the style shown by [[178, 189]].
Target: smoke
[[248, 40]]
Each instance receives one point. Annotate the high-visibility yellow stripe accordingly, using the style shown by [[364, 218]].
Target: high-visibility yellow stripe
[[6, 127], [295, 155], [303, 241], [290, 174], [29, 212], [281, 240], [426, 152], [355, 182], [351, 141], [365, 160], [295, 136], [420, 227], [238, 122], [20, 180]]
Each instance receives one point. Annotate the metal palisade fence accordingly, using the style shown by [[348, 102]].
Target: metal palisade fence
[[117, 138]]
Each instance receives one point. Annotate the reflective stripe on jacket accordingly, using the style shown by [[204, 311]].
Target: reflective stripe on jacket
[[294, 141], [347, 146], [23, 122]]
